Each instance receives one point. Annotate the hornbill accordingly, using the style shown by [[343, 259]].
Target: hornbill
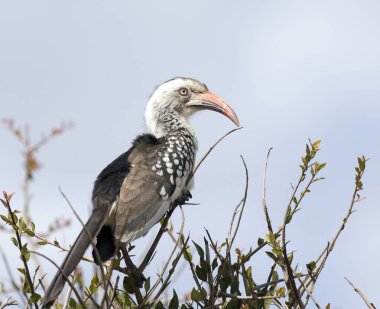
[[135, 190]]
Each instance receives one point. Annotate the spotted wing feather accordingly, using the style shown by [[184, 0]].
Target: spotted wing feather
[[145, 196]]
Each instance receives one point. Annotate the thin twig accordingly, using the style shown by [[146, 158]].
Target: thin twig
[[210, 278], [8, 302], [67, 279], [361, 294], [133, 273], [209, 151], [264, 200], [244, 200], [67, 297], [168, 260], [160, 232], [166, 282], [8, 269], [309, 293]]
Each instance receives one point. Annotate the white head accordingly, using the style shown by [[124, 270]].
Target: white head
[[175, 100]]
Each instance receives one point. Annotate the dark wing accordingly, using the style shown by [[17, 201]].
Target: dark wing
[[107, 185], [144, 195]]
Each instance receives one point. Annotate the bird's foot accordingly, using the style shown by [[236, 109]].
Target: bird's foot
[[185, 196]]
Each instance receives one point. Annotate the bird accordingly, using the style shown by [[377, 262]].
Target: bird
[[133, 192]]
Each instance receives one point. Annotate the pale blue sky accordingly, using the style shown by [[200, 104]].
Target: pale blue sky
[[292, 70]]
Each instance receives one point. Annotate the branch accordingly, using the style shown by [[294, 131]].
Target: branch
[[209, 151], [8, 302], [243, 202], [20, 247], [167, 262], [368, 303], [264, 201], [67, 279], [330, 247]]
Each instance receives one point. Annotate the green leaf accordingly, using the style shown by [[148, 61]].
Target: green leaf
[[361, 161], [205, 266], [42, 243], [72, 303], [268, 303], [214, 263], [312, 171], [298, 275], [275, 276], [321, 166], [93, 285], [174, 303], [95, 279], [290, 257], [35, 298], [277, 252], [5, 219], [270, 238], [128, 285], [15, 242], [289, 217], [260, 241], [201, 273], [115, 263], [187, 254], [147, 285], [22, 224], [21, 270], [25, 252], [160, 305], [199, 250], [311, 266], [272, 256], [125, 300], [316, 144], [196, 295], [15, 218], [281, 292], [29, 232]]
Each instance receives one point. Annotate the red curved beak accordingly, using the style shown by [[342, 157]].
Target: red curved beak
[[209, 100]]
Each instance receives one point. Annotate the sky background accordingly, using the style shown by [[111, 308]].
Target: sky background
[[292, 70]]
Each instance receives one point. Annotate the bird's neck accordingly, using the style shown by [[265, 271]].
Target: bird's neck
[[168, 123]]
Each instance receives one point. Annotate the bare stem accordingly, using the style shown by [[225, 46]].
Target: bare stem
[[264, 200], [361, 294]]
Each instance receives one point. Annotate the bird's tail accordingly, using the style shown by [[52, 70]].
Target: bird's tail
[[74, 256]]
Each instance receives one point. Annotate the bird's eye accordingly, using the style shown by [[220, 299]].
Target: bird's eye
[[184, 92]]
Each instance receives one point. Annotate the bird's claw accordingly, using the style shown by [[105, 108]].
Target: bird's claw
[[186, 195]]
